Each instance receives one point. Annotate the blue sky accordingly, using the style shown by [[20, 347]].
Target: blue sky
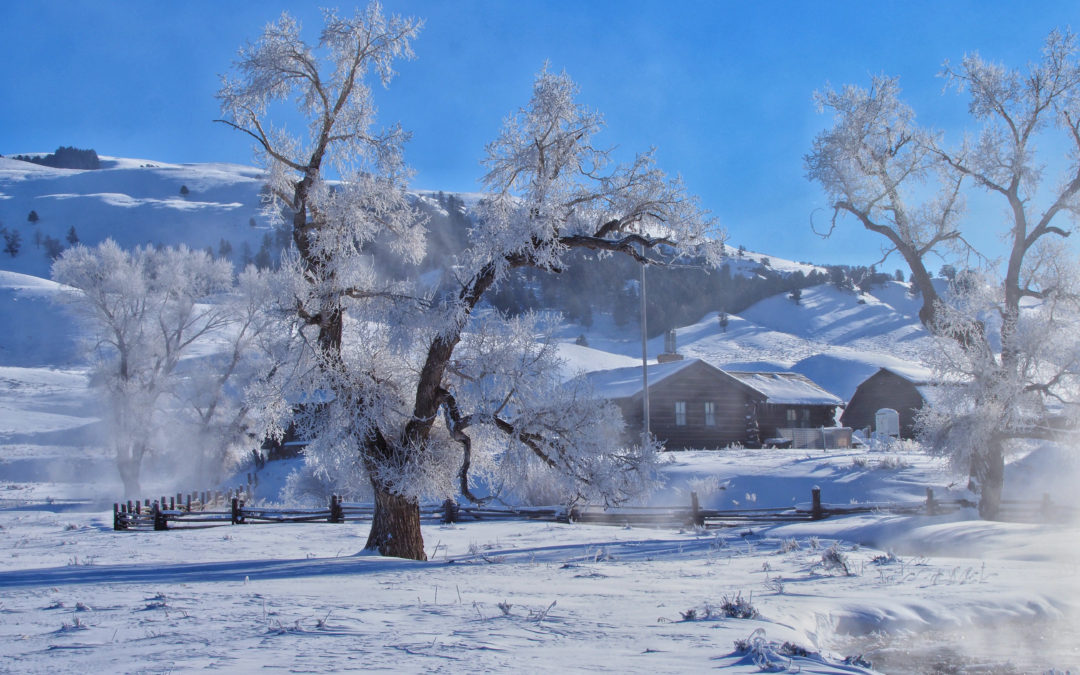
[[721, 89]]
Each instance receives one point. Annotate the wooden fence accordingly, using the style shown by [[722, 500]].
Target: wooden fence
[[210, 509]]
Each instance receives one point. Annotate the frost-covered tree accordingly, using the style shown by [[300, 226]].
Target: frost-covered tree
[[208, 394], [1032, 311], [146, 311], [424, 386], [53, 247], [1008, 360], [877, 165], [12, 241]]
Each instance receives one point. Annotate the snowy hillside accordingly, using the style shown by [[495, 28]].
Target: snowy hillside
[[836, 338], [38, 332], [131, 200]]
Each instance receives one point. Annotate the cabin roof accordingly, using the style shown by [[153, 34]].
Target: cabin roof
[[786, 388], [917, 375], [626, 382], [779, 388]]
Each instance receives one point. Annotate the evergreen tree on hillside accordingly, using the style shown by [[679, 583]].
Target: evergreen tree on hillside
[[224, 248], [66, 158], [32, 216], [263, 259], [53, 247], [184, 190], [72, 237], [12, 242]]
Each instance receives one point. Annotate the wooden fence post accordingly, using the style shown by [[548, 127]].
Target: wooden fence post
[[931, 505], [116, 516], [695, 511], [237, 516], [816, 512], [160, 523], [1047, 507], [337, 515], [450, 511]]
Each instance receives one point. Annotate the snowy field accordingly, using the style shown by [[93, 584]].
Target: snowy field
[[919, 594], [535, 596]]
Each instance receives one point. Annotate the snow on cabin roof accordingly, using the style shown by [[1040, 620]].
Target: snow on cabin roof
[[915, 374], [626, 382], [786, 388]]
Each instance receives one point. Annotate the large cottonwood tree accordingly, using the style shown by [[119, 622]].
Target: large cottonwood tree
[[418, 382], [1009, 362]]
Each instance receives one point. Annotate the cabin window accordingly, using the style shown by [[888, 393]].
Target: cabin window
[[680, 413], [806, 417], [710, 414], [791, 416]]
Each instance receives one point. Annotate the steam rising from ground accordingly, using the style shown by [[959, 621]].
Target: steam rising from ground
[[1028, 634]]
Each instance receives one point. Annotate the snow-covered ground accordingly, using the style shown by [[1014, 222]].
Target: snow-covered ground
[[921, 594], [537, 596]]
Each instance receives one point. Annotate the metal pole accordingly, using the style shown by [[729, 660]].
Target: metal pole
[[644, 359]]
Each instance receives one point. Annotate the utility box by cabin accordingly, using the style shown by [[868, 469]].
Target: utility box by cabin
[[887, 422]]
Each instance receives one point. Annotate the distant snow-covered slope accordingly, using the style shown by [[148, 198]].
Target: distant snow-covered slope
[[836, 338], [37, 332], [131, 200]]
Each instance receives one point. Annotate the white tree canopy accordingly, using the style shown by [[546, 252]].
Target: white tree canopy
[[397, 375], [147, 309]]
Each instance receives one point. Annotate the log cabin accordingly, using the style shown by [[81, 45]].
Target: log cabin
[[904, 390], [693, 404]]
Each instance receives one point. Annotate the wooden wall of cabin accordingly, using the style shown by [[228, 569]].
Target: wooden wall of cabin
[[695, 385], [883, 389], [773, 416]]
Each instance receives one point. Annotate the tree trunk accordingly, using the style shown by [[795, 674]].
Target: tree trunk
[[988, 473], [395, 526], [129, 475]]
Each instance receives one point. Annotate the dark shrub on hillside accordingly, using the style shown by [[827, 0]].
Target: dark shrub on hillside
[[66, 158]]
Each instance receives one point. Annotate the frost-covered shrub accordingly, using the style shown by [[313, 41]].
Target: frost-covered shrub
[[833, 559], [893, 463], [308, 486], [737, 607], [789, 545], [706, 486]]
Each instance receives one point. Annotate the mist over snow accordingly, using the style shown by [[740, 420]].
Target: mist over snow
[[923, 592]]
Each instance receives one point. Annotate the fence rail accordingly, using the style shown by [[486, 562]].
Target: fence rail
[[212, 509]]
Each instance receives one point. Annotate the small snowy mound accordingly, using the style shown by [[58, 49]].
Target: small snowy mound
[[39, 332]]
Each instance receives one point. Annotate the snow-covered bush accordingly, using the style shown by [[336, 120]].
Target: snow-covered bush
[[833, 559]]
